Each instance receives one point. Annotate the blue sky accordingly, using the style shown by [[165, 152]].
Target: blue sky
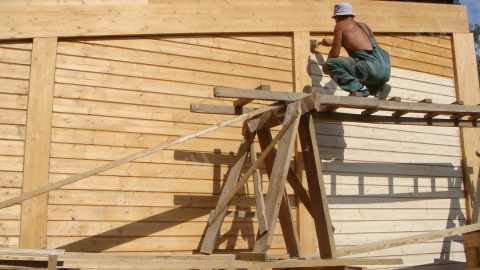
[[473, 7]]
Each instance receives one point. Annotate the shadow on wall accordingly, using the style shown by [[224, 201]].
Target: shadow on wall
[[334, 170], [334, 167]]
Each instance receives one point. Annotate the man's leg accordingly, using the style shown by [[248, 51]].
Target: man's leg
[[342, 71]]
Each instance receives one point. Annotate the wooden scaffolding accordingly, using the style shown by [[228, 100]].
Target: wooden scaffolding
[[296, 113]]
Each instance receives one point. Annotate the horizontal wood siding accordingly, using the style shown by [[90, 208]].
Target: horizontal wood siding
[[388, 181], [118, 96], [15, 59]]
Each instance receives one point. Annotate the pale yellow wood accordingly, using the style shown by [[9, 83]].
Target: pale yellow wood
[[147, 244], [170, 61], [71, 2], [466, 80], [302, 80], [14, 117], [183, 46], [14, 71], [12, 86], [248, 227], [37, 142], [15, 56], [241, 17]]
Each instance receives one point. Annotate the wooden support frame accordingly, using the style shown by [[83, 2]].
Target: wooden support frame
[[278, 177], [318, 195], [37, 142]]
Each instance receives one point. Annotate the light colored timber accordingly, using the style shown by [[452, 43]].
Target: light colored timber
[[223, 264], [225, 42], [167, 60], [403, 241], [252, 169], [467, 90], [258, 193], [245, 101], [181, 46], [30, 251], [278, 176], [37, 142], [163, 72], [135, 156], [171, 17], [316, 186]]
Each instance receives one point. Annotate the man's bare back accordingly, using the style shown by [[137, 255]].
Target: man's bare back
[[353, 36]]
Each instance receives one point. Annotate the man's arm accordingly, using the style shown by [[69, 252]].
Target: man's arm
[[336, 46]]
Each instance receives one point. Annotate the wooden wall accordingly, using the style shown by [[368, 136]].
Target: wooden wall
[[389, 181], [15, 58], [113, 96]]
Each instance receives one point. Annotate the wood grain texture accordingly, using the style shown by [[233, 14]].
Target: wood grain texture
[[467, 89], [37, 141], [181, 17]]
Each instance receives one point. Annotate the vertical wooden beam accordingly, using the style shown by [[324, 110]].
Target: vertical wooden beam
[[467, 87], [33, 229], [301, 81], [318, 195], [278, 177]]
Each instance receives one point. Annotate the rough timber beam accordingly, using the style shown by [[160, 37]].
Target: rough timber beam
[[401, 241], [215, 16]]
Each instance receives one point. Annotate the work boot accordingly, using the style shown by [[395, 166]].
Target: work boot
[[360, 93], [383, 92]]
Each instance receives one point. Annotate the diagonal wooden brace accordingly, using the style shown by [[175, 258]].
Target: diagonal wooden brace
[[278, 177]]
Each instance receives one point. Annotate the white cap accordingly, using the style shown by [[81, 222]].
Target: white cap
[[343, 9]]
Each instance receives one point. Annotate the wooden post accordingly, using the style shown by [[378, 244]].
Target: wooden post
[[301, 79], [466, 83], [278, 177], [33, 228], [318, 195]]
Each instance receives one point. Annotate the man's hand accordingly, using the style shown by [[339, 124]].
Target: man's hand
[[327, 42]]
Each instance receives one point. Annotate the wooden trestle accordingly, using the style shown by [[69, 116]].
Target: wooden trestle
[[300, 109], [296, 113]]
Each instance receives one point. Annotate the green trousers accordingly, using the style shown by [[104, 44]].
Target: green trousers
[[352, 74]]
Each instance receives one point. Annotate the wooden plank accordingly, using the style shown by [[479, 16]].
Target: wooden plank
[[378, 119], [52, 262], [289, 230], [403, 241], [472, 240], [180, 61], [143, 153], [244, 101], [167, 73], [37, 142], [30, 251], [279, 176], [256, 94], [196, 18], [223, 264], [318, 196], [180, 45], [213, 228], [466, 82], [258, 193], [302, 82]]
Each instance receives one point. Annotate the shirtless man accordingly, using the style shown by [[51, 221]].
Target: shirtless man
[[368, 68]]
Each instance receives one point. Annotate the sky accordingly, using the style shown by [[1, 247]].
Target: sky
[[473, 7]]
